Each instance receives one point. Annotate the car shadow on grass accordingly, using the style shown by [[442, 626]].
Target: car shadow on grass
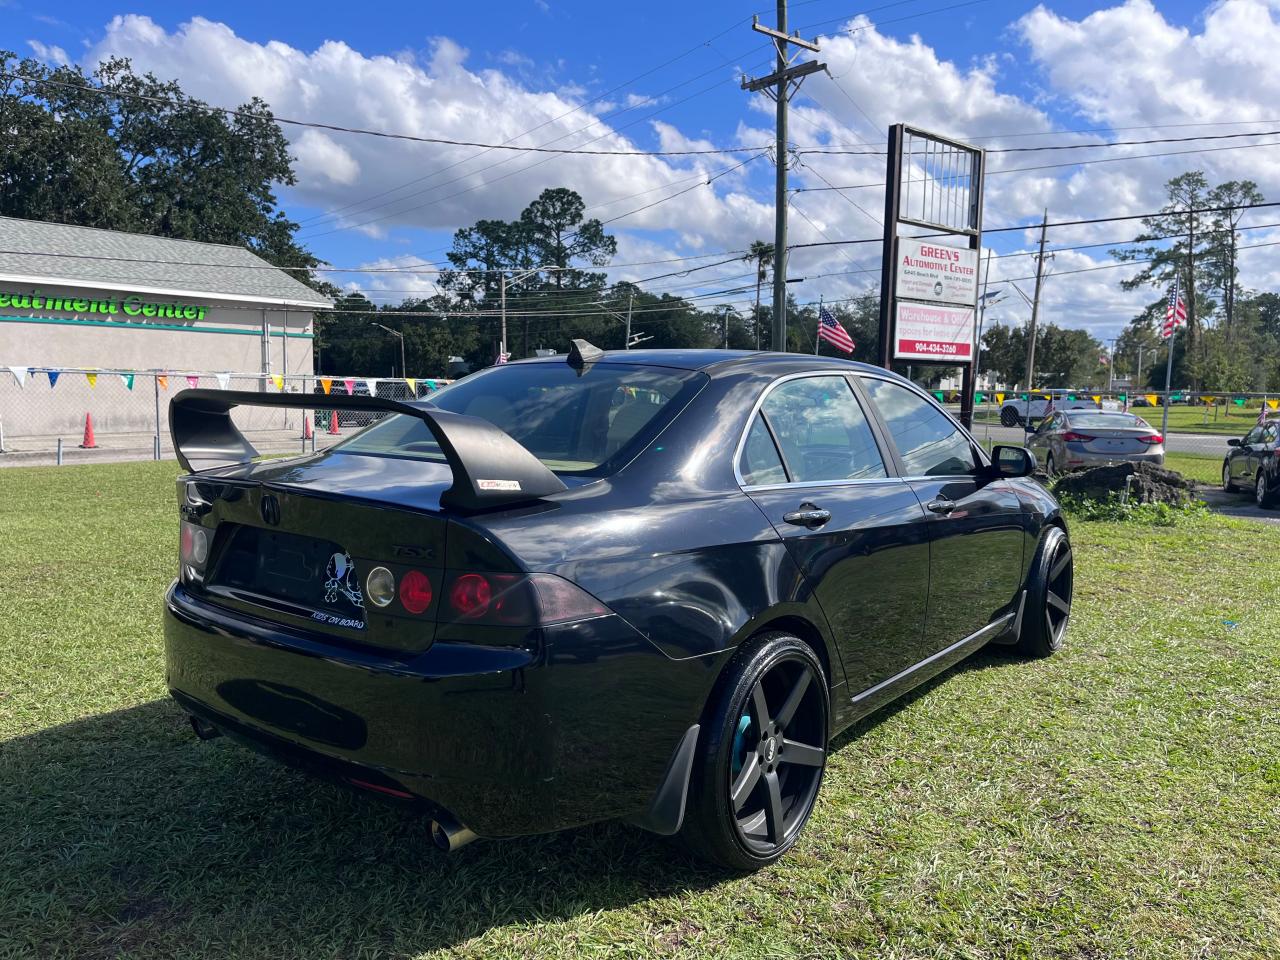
[[134, 837]]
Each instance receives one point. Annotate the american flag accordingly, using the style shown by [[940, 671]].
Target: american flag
[[502, 357], [829, 329], [1175, 315]]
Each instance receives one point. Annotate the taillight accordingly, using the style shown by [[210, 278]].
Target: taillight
[[1152, 438], [415, 591], [1073, 437], [470, 595], [512, 600], [193, 548]]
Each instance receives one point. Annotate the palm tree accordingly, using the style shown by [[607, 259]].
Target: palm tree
[[762, 254]]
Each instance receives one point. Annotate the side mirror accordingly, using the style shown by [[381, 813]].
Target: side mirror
[[1012, 461], [1233, 442]]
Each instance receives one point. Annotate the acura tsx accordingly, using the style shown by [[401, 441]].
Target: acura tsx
[[643, 585]]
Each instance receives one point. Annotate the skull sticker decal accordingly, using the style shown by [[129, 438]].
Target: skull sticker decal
[[341, 580]]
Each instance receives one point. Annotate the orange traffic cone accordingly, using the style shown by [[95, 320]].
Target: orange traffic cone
[[333, 422], [306, 425], [88, 443]]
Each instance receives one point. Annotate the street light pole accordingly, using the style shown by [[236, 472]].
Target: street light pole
[[404, 370]]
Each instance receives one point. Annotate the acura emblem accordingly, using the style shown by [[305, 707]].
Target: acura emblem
[[270, 510]]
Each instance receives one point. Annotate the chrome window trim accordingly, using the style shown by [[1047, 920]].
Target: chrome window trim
[[790, 485]]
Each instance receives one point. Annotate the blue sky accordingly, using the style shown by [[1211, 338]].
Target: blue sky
[[996, 68]]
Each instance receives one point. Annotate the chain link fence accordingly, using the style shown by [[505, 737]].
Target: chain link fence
[[52, 415]]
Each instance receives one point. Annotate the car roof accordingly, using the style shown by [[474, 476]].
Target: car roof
[[715, 361]]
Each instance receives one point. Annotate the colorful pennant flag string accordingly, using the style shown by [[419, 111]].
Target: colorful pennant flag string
[[413, 385], [92, 378], [19, 374], [53, 377], [278, 381], [326, 384], [163, 380], [372, 384], [431, 386], [127, 380], [999, 398], [224, 380], [351, 387], [1274, 404], [1153, 400], [193, 382]]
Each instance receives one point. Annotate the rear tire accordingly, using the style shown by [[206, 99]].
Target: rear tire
[[760, 762], [1227, 485], [1009, 417], [1050, 468], [1263, 495], [1048, 608]]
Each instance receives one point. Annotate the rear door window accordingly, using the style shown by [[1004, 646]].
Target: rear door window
[[822, 431]]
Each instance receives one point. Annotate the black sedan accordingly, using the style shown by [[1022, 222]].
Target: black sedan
[[647, 585], [1253, 463]]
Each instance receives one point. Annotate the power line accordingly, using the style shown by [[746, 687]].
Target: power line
[[1069, 146], [413, 138]]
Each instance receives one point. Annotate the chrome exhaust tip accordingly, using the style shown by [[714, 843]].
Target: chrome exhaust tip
[[449, 835], [204, 729]]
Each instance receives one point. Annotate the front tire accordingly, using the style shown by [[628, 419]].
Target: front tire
[[1050, 468], [1228, 486], [759, 767], [1048, 608], [1009, 417]]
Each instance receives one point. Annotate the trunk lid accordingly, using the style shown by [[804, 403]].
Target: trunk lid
[[1115, 441], [293, 541]]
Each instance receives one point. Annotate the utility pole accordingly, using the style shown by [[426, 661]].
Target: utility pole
[[502, 344], [1111, 365], [1137, 375], [781, 85], [982, 316], [1192, 338], [726, 326], [1035, 315]]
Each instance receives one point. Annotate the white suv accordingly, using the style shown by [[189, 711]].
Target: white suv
[[1015, 411]]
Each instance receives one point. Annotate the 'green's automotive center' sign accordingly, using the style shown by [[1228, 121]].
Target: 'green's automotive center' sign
[[131, 306]]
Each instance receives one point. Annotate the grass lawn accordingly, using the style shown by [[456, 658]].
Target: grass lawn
[[1121, 799], [1203, 467]]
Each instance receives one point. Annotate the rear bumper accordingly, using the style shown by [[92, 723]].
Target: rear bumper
[[1077, 458], [576, 727]]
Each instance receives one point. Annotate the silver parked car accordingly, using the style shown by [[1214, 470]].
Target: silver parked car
[[1070, 439]]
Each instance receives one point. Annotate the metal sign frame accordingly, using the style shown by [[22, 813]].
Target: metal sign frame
[[946, 199]]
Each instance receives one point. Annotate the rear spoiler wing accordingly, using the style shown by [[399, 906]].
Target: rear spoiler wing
[[490, 468]]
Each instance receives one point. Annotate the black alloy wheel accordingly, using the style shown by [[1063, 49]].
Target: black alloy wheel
[[1262, 490], [1048, 607], [761, 762]]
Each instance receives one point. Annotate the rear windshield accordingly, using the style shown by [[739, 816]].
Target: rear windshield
[[1102, 421], [573, 424]]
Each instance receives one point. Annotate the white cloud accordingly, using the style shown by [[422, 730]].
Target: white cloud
[[49, 53], [1126, 65]]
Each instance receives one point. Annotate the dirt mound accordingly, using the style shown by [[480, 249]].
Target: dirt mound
[[1150, 484]]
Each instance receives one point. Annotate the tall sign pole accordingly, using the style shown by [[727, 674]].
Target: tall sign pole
[[928, 286], [781, 85]]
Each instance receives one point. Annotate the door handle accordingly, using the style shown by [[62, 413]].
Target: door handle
[[941, 505], [808, 516]]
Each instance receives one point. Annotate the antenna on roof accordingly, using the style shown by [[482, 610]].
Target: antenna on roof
[[582, 355]]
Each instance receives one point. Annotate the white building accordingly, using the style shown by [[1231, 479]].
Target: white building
[[81, 297]]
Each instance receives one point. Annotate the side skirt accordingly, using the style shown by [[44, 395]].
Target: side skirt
[[883, 692]]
